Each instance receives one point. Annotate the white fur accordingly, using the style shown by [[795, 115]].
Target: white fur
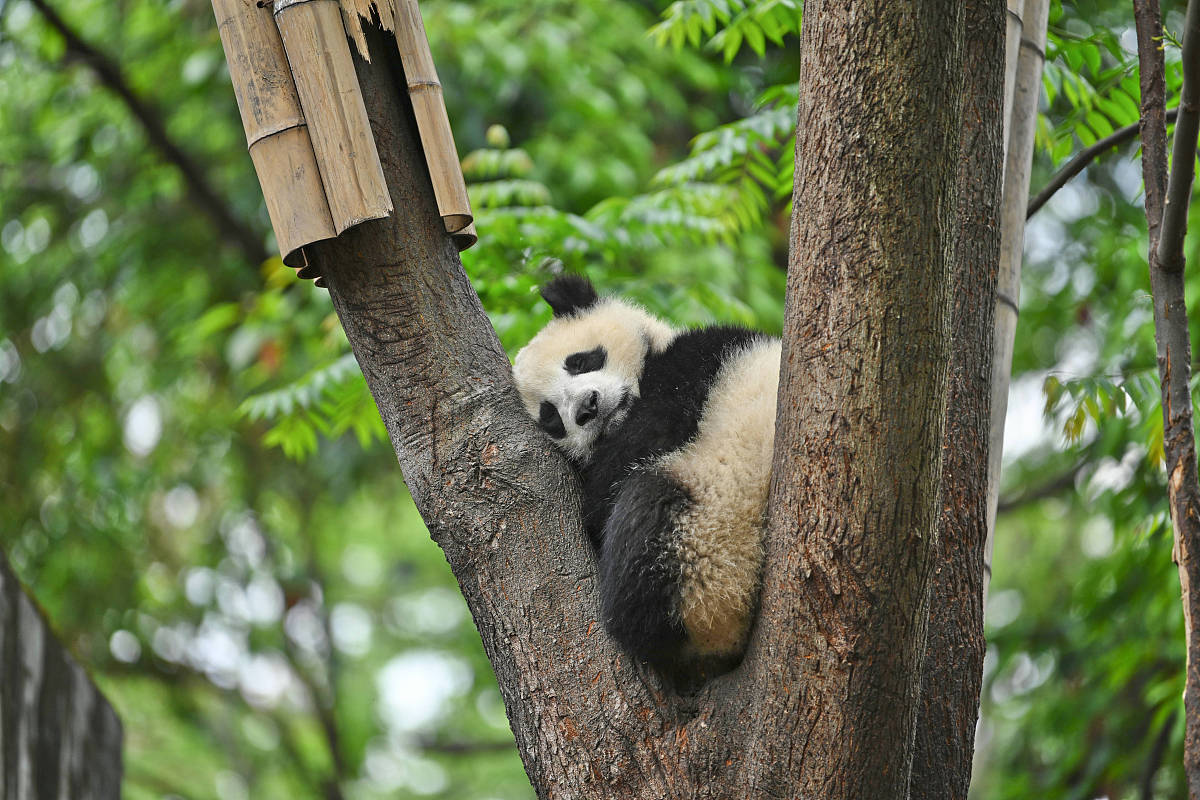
[[625, 331], [726, 470]]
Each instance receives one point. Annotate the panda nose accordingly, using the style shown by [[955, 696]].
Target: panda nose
[[588, 410]]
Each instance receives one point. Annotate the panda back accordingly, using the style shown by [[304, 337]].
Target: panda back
[[674, 388], [725, 472]]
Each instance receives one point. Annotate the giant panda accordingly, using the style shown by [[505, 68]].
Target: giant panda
[[671, 432]]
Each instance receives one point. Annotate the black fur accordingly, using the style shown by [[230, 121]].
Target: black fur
[[587, 361], [568, 294], [550, 420], [639, 570], [674, 388]]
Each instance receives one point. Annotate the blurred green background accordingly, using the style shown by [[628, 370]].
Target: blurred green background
[[194, 482]]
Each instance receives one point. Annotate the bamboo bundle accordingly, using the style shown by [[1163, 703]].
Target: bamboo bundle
[[403, 18], [323, 70], [276, 133], [307, 128]]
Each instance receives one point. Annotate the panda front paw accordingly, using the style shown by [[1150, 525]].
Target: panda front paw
[[640, 573]]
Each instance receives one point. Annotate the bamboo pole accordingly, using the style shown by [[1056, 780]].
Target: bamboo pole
[[1027, 88], [403, 18], [315, 42], [1014, 26], [425, 89], [276, 133]]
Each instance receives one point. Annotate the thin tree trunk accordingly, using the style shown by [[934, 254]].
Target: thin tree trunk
[[857, 466], [1019, 157], [1171, 337], [953, 666]]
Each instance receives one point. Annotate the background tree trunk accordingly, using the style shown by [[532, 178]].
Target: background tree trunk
[[1171, 337], [825, 701], [953, 667], [59, 737]]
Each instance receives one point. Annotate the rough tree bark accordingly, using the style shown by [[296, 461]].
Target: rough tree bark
[[1171, 329], [825, 702], [952, 674], [59, 737], [856, 474]]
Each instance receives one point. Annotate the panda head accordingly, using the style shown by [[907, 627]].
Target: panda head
[[579, 375]]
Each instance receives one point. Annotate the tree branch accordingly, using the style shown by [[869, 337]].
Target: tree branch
[[1047, 489], [202, 193], [1084, 157], [1172, 341], [496, 495], [464, 747], [1183, 156], [1157, 750]]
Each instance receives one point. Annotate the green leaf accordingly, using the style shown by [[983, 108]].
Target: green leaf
[[1091, 54], [1099, 124]]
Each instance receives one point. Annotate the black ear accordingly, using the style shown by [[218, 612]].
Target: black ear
[[568, 294]]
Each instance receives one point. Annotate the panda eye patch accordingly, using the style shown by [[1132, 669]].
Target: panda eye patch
[[586, 361], [550, 421]]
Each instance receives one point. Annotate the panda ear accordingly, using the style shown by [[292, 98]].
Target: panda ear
[[568, 294]]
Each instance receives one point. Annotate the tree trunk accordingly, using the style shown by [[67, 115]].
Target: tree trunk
[[824, 704], [856, 475], [953, 666], [59, 737], [1172, 341]]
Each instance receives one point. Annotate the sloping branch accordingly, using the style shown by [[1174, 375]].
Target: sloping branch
[[1171, 337], [1087, 156], [202, 193], [1048, 489], [1183, 156], [496, 496]]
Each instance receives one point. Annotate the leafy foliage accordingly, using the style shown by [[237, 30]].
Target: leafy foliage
[[728, 24], [1091, 80]]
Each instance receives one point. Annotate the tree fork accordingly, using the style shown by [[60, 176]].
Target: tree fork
[[503, 504]]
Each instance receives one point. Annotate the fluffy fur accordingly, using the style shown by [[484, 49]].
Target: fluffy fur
[[672, 434]]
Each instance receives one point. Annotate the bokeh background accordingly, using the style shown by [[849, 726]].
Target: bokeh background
[[195, 485]]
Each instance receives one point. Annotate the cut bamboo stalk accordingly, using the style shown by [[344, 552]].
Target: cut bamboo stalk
[[466, 237], [432, 122], [276, 133], [315, 42], [403, 18], [1013, 29], [1018, 160]]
